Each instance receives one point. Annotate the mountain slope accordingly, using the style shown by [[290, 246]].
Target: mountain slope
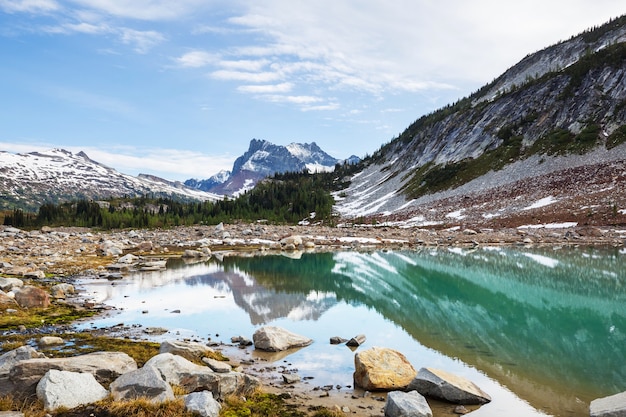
[[557, 112], [28, 180], [263, 159]]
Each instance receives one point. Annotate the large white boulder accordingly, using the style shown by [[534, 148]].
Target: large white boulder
[[145, 382], [276, 339], [69, 389], [449, 387], [407, 404], [202, 403], [612, 406]]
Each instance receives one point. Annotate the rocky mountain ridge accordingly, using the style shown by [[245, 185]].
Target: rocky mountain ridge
[[263, 159], [28, 180], [538, 129]]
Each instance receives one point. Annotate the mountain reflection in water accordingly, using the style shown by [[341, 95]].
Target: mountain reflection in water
[[550, 325]]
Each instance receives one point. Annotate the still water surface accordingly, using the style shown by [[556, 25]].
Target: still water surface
[[542, 330]]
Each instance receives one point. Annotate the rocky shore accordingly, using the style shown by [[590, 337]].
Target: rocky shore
[[59, 254], [67, 251]]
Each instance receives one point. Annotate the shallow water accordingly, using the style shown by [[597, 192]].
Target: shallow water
[[543, 331]]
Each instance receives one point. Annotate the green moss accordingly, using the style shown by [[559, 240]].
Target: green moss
[[260, 405], [36, 317]]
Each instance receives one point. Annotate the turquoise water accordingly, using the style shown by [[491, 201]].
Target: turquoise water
[[543, 331]]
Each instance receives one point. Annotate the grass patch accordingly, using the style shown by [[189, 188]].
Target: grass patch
[[263, 405], [57, 313]]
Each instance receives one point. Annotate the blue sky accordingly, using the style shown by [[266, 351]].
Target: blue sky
[[179, 88]]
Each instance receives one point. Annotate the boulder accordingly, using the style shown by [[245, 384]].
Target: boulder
[[382, 369], [69, 389], [145, 382], [356, 341], [62, 290], [407, 404], [179, 371], [294, 240], [8, 284], [612, 406], [109, 248], [449, 387], [220, 367], [105, 366], [190, 253], [127, 259], [31, 297], [11, 414], [203, 404], [276, 339], [47, 341], [190, 350], [8, 361]]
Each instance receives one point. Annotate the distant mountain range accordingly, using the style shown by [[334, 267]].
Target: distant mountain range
[[28, 180], [263, 159]]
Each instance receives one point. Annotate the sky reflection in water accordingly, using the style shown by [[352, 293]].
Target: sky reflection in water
[[542, 330]]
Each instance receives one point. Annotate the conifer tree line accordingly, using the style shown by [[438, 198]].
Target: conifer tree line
[[284, 198]]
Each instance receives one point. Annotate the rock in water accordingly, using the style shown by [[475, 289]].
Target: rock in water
[[69, 389], [382, 369], [446, 386], [612, 406], [276, 339], [407, 404]]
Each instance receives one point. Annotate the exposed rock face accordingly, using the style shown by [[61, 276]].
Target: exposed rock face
[[612, 406], [69, 389], [177, 370], [574, 88], [275, 339], [105, 366], [382, 369], [62, 290], [145, 382], [202, 403], [30, 297], [407, 404], [189, 350], [446, 386]]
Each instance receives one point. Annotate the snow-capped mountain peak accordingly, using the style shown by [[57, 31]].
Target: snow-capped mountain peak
[[30, 179]]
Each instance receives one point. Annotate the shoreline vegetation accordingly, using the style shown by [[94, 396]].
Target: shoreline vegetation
[[52, 256]]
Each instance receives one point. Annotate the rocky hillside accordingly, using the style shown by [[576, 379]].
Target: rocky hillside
[[263, 159], [28, 180], [541, 144]]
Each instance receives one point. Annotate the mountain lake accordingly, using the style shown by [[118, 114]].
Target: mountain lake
[[541, 330]]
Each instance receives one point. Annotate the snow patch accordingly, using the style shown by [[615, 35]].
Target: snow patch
[[541, 203], [564, 225]]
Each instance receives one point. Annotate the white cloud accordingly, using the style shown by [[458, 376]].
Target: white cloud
[[196, 59], [249, 77], [28, 6], [266, 88], [141, 41], [147, 9]]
